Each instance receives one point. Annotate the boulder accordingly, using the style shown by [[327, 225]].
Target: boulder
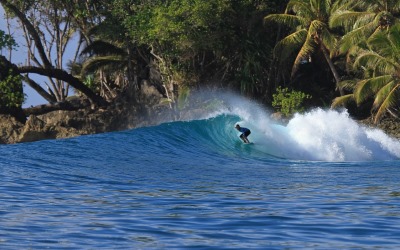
[[10, 129]]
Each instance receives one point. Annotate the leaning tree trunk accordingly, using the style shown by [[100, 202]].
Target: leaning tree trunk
[[332, 67], [64, 76]]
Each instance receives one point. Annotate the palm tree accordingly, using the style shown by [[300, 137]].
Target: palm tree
[[310, 33], [361, 19], [108, 62], [381, 66], [106, 65]]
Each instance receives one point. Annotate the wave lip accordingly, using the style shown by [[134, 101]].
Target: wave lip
[[318, 135]]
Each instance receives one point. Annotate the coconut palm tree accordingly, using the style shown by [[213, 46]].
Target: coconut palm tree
[[361, 19], [381, 66], [106, 65], [310, 33], [108, 61]]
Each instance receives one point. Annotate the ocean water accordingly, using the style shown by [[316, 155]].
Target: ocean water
[[320, 182]]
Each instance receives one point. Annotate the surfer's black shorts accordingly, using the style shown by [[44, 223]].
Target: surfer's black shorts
[[247, 133]]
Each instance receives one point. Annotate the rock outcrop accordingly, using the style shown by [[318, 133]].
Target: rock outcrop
[[66, 123]]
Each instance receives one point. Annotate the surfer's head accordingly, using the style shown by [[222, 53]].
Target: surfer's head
[[237, 126]]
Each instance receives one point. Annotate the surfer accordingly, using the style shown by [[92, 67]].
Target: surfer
[[245, 132]]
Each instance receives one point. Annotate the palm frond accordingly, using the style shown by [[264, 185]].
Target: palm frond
[[348, 84], [100, 47], [342, 100], [372, 62], [367, 59], [394, 39], [394, 6], [342, 5], [355, 37], [97, 62], [321, 8], [316, 26], [301, 8], [345, 19], [330, 40], [291, 21], [308, 48], [366, 18], [368, 87], [290, 44], [387, 97], [379, 42]]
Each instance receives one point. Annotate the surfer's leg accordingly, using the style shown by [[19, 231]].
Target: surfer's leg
[[245, 136]]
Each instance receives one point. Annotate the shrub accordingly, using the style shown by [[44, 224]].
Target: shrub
[[11, 94], [288, 101]]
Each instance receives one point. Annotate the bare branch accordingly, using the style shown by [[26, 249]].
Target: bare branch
[[62, 75], [31, 29]]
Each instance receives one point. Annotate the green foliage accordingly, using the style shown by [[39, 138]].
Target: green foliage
[[289, 102], [308, 35], [90, 83], [205, 39], [7, 41], [381, 67], [11, 94]]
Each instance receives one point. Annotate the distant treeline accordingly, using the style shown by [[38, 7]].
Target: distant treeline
[[286, 54]]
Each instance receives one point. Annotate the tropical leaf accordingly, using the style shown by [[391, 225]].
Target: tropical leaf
[[366, 18], [373, 63], [367, 59], [301, 8], [368, 87], [308, 48], [342, 100], [387, 97], [100, 47], [97, 62], [330, 40], [291, 21], [311, 33], [348, 84], [394, 39], [345, 19], [290, 44], [355, 37], [379, 42], [316, 27]]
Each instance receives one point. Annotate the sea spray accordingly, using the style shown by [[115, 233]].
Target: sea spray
[[330, 135], [317, 135]]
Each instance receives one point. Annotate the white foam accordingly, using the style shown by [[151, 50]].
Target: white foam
[[329, 135], [320, 135]]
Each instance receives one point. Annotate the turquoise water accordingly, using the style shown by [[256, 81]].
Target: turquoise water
[[321, 182]]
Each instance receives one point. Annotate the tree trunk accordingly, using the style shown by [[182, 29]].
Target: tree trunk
[[40, 90], [332, 67], [46, 108], [31, 30], [62, 75]]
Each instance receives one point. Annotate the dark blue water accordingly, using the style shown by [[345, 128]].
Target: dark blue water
[[194, 185]]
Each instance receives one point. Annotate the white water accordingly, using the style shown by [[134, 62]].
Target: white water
[[318, 135], [323, 135]]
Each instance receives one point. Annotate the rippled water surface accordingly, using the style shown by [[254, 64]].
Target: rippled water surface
[[193, 184]]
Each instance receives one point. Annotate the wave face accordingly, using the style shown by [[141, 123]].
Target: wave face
[[318, 135], [320, 181]]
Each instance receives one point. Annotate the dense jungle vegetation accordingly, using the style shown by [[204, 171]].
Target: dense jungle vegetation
[[289, 55]]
